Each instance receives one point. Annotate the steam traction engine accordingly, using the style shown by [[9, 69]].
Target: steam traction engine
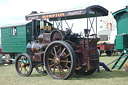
[[60, 52]]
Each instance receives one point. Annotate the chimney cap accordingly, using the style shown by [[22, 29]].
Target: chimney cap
[[34, 12], [41, 12], [127, 7]]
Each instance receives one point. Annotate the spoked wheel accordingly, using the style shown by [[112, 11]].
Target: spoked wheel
[[60, 60], [23, 65], [109, 53], [40, 68], [80, 72]]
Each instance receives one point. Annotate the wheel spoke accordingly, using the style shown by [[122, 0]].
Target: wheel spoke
[[27, 63], [62, 51], [55, 52], [21, 69], [67, 55], [54, 69], [61, 69], [26, 69], [19, 64], [67, 67], [65, 61], [50, 59], [22, 60], [52, 65], [27, 59]]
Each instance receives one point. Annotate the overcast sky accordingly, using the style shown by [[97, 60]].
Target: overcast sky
[[14, 11]]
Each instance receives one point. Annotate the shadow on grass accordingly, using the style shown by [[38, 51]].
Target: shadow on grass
[[102, 74], [2, 65], [109, 56], [39, 75], [96, 75]]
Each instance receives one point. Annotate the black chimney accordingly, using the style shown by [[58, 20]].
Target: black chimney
[[34, 30], [34, 12], [126, 7], [34, 27]]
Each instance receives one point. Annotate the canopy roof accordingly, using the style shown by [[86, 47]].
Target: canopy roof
[[91, 11]]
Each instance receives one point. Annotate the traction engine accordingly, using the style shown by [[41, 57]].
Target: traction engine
[[59, 52]]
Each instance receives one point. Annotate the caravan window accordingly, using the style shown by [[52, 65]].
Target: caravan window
[[14, 31], [103, 37]]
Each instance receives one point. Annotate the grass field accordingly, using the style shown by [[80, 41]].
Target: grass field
[[8, 76]]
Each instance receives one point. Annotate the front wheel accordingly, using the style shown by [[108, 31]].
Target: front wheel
[[23, 65], [60, 60]]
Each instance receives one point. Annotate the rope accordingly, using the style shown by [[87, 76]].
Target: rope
[[112, 62]]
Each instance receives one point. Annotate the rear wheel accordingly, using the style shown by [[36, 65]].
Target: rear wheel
[[99, 52], [109, 53], [60, 60], [23, 65], [40, 68]]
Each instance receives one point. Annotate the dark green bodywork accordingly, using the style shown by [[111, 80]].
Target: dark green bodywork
[[121, 41], [15, 43]]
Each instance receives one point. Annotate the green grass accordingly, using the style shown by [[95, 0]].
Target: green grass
[[9, 76]]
